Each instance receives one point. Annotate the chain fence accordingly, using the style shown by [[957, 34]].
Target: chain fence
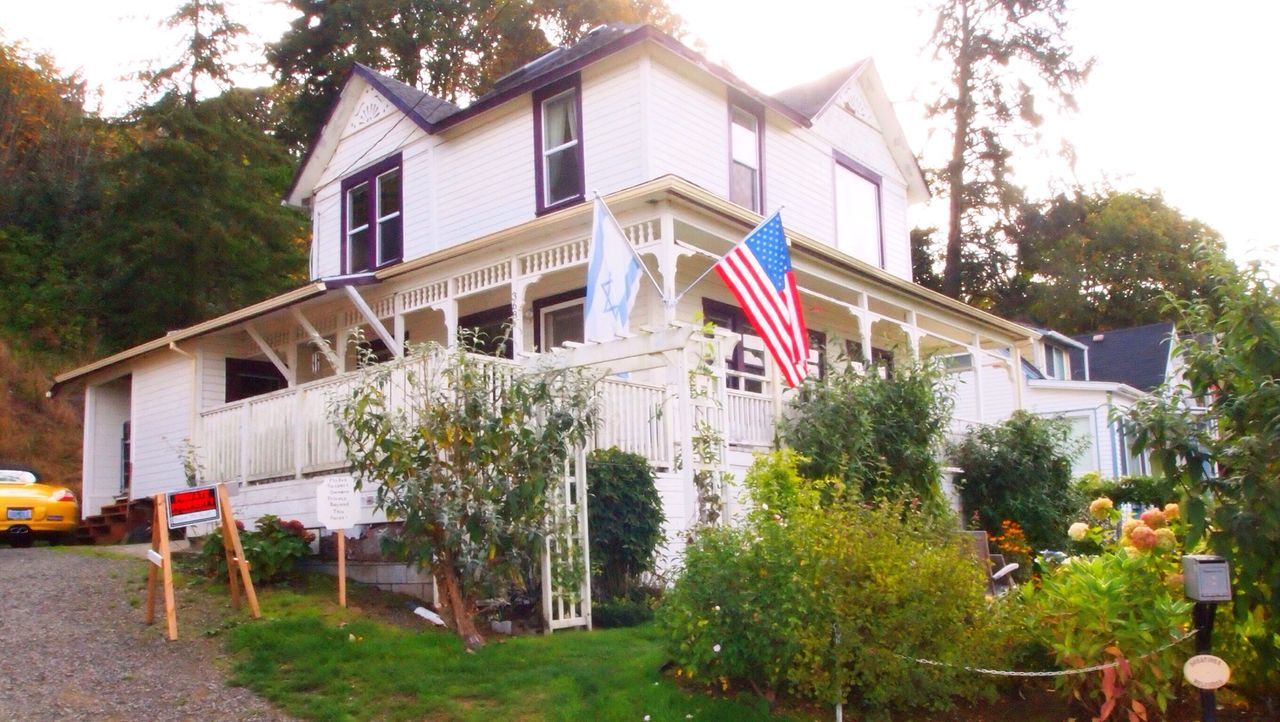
[[1047, 673]]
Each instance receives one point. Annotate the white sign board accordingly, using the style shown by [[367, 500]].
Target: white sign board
[[337, 503], [1206, 671]]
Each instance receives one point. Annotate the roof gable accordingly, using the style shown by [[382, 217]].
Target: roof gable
[[863, 90]]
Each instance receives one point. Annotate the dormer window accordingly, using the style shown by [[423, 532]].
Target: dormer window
[[558, 139], [858, 211], [1055, 362], [745, 151], [373, 223]]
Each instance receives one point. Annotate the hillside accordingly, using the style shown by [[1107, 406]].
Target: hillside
[[37, 431]]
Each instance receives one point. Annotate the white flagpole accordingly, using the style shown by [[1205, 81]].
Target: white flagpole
[[634, 252], [760, 225]]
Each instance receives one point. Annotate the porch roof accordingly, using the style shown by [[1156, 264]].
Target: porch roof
[[667, 187]]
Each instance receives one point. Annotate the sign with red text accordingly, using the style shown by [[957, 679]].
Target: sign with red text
[[192, 506], [337, 503]]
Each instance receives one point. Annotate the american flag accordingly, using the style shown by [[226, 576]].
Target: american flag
[[758, 271]]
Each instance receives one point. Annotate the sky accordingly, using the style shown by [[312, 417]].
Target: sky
[[1180, 100]]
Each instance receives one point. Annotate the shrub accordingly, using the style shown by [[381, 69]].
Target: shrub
[[272, 550], [1117, 606], [1019, 470], [624, 519], [820, 599], [620, 612], [877, 435], [1141, 491]]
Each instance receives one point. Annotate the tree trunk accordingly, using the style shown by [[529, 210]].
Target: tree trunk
[[461, 610], [955, 169]]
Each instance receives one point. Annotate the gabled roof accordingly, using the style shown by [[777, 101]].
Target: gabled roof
[[815, 98], [1138, 356], [434, 115]]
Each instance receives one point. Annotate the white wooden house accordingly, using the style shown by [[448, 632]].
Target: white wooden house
[[428, 218]]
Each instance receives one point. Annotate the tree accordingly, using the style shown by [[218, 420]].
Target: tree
[[465, 455], [1226, 459], [625, 518], [451, 48], [193, 226], [1020, 471], [997, 49], [1098, 261], [210, 37]]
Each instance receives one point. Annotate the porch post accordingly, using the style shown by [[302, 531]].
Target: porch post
[[975, 352], [668, 261], [913, 335], [1018, 378]]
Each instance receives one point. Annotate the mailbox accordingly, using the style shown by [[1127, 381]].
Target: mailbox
[[1206, 578]]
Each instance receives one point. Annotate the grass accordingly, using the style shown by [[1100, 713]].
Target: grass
[[318, 661]]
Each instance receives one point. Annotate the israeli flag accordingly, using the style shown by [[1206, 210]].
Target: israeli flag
[[613, 277]]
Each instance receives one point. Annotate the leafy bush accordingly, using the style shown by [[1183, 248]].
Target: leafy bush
[[1122, 605], [620, 612], [820, 599], [1141, 491], [1019, 470], [624, 518], [877, 435], [1224, 460], [272, 550]]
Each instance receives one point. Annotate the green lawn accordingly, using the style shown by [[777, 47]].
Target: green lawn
[[318, 661]]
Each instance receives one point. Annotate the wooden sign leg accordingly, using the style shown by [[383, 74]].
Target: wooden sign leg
[[342, 568], [149, 613], [170, 608], [232, 535], [228, 525]]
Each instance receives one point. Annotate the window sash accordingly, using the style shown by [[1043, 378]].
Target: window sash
[[858, 230], [385, 217], [560, 142], [744, 158], [552, 319]]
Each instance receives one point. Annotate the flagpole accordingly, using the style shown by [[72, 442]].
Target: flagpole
[[634, 252], [713, 266]]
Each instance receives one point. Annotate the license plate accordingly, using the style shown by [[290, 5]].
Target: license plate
[[19, 514]]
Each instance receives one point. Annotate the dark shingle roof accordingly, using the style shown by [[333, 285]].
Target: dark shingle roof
[[547, 63], [810, 98], [1135, 356], [426, 108]]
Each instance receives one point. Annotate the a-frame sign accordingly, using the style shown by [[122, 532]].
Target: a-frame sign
[[178, 509]]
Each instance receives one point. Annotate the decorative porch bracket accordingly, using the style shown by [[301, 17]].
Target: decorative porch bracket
[[317, 339], [288, 373], [371, 318]]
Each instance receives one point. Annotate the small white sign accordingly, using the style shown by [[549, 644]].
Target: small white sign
[[1205, 671], [337, 503]]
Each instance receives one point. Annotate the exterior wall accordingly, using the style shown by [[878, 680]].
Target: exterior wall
[[107, 408], [689, 127], [999, 395], [613, 101], [163, 393], [485, 169], [1077, 403], [213, 354]]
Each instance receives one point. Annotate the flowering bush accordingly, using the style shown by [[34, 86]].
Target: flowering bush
[[272, 550], [1123, 605], [830, 599]]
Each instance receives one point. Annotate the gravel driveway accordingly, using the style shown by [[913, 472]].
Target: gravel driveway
[[75, 648]]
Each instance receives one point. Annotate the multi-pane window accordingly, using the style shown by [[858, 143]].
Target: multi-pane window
[[744, 158], [559, 145], [373, 226], [858, 212]]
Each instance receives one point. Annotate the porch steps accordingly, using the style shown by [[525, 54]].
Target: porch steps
[[114, 522]]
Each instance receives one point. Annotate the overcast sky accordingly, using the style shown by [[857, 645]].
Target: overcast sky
[[1182, 99]]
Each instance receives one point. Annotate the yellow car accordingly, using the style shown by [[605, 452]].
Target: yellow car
[[30, 510]]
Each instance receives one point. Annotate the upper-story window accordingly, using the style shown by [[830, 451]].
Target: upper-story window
[[858, 211], [745, 151], [372, 218], [558, 138], [1055, 362]]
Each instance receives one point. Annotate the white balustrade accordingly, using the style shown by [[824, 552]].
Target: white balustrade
[[751, 418], [636, 418]]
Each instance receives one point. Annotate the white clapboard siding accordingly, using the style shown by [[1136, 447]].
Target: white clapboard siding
[[485, 169], [799, 178], [162, 395], [612, 127], [688, 128]]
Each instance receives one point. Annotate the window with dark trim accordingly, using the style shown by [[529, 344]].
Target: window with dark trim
[[748, 355], [858, 223], [746, 152], [372, 217], [488, 332], [558, 318], [557, 137], [247, 378]]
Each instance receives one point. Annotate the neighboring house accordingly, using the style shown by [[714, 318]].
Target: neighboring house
[[1089, 378], [428, 218]]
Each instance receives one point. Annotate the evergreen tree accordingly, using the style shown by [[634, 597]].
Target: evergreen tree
[[210, 37]]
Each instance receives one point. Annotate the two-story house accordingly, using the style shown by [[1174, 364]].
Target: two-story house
[[429, 218]]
